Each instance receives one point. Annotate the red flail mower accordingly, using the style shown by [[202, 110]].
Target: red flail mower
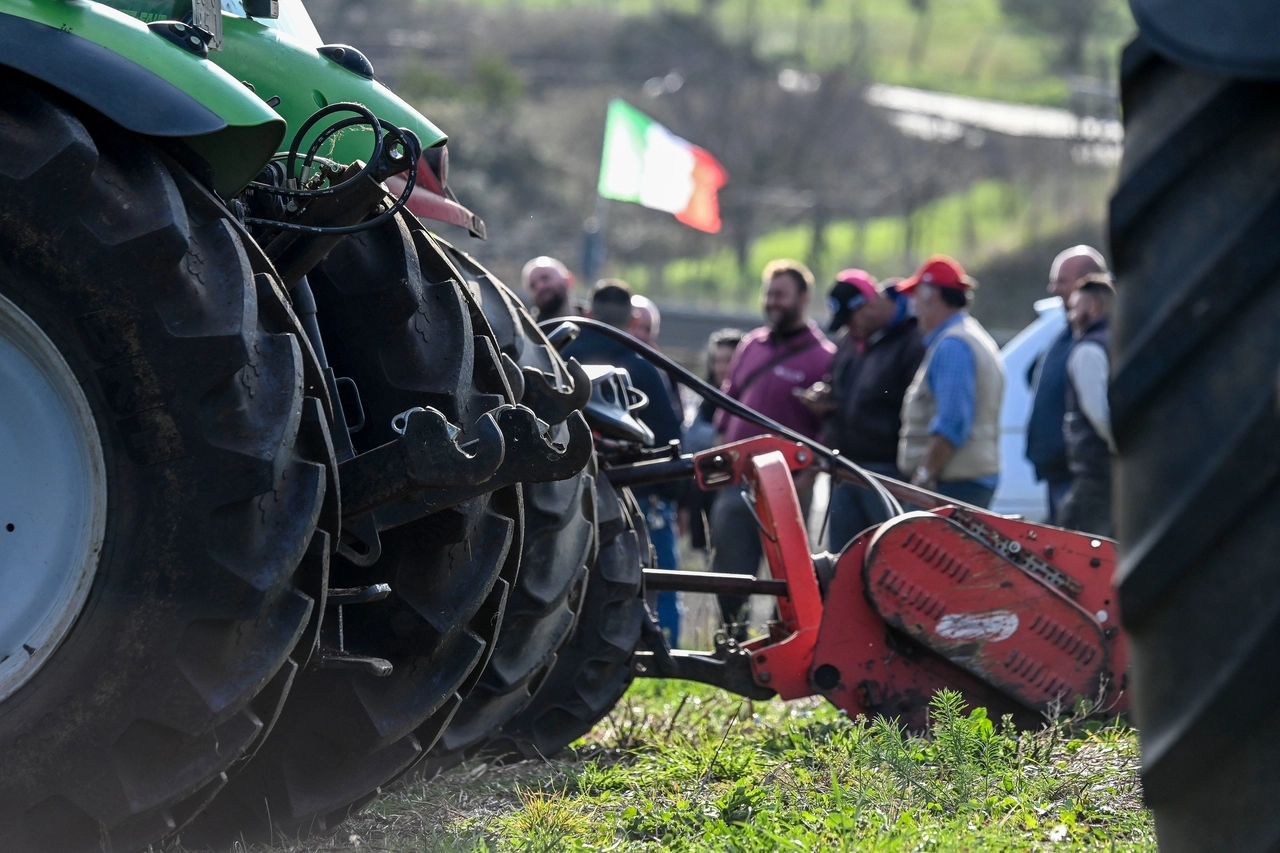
[[1021, 618]]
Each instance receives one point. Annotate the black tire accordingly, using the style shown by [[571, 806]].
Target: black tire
[[559, 548], [396, 320], [1196, 355], [142, 282], [593, 670]]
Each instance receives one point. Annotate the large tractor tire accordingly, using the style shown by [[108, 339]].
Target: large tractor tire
[[593, 669], [559, 545], [155, 499], [396, 320], [1194, 403]]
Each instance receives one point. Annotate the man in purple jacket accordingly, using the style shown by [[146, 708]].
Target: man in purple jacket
[[769, 367]]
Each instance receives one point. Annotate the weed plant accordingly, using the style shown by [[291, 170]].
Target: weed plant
[[689, 768]]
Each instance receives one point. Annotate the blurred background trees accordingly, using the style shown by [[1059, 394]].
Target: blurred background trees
[[833, 155]]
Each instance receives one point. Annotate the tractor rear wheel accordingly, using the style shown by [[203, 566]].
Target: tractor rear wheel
[[155, 499], [559, 546], [1194, 405], [395, 320]]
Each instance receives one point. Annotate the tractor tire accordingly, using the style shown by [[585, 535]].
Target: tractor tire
[[1194, 407], [395, 319], [593, 670], [154, 489], [559, 548]]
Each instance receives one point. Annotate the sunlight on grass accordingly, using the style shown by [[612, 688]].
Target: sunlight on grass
[[685, 767]]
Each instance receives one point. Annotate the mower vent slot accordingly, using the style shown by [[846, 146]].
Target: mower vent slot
[[935, 556]]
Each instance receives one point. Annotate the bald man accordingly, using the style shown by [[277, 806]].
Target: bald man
[[1046, 447], [645, 319], [550, 287]]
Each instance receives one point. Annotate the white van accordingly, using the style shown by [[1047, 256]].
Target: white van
[[1019, 493]]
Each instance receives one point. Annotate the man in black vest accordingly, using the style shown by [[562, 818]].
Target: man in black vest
[[1045, 448], [876, 359], [1086, 427]]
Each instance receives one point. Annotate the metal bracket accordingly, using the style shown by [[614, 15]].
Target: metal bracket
[[207, 15], [550, 402], [728, 667], [426, 456], [339, 658], [532, 456], [359, 594]]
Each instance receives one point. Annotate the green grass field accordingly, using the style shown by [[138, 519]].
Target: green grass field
[[690, 768]]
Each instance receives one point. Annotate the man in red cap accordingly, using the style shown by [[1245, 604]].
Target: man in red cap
[[876, 359], [950, 441]]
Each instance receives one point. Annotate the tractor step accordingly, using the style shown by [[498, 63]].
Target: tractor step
[[338, 659]]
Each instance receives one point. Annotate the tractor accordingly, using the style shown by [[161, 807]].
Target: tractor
[[298, 500]]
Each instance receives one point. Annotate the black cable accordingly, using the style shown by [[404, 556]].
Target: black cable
[[407, 139], [343, 107], [732, 406]]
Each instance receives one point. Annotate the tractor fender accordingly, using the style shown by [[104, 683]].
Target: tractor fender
[[143, 82], [1235, 37]]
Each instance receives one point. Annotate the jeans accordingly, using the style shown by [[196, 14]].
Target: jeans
[[853, 508], [1087, 507], [660, 515], [969, 491], [1057, 494]]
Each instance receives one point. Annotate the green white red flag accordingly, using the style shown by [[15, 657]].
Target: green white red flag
[[645, 163]]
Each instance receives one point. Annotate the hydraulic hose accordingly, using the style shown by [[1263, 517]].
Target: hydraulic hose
[[850, 469]]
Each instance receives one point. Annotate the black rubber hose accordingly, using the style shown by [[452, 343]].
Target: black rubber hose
[[733, 407]]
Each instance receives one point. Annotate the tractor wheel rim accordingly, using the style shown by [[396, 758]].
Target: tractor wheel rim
[[53, 498]]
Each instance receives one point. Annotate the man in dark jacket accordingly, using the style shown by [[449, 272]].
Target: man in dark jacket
[[1086, 427], [611, 303], [876, 359], [1045, 448]]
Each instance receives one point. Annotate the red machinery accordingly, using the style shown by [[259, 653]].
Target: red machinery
[[1022, 618]]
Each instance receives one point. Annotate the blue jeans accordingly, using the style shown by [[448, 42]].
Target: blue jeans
[[968, 491], [853, 508], [1057, 494], [660, 515]]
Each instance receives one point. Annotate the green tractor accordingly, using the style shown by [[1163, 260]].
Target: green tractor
[[296, 499], [289, 483]]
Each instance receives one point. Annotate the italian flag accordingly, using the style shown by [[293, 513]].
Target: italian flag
[[645, 163]]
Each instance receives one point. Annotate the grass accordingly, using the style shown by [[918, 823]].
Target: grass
[[690, 768]]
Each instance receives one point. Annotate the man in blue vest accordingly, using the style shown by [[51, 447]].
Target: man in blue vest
[[1086, 427], [1046, 449]]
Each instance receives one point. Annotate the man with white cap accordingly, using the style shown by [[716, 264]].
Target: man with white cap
[[876, 359], [950, 440]]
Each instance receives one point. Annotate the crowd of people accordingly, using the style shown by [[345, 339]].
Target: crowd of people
[[904, 381]]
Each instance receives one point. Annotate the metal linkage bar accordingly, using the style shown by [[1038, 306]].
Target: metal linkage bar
[[718, 584]]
